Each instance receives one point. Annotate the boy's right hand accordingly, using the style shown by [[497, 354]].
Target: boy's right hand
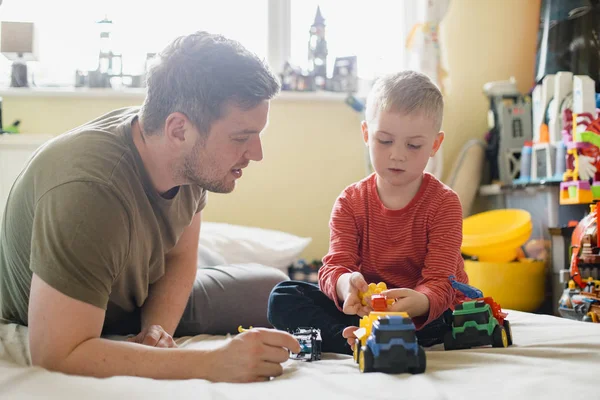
[[253, 356], [349, 287]]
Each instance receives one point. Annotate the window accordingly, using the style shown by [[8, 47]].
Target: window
[[69, 35], [373, 31]]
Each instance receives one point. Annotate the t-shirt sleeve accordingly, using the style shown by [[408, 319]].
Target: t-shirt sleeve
[[202, 199], [80, 240]]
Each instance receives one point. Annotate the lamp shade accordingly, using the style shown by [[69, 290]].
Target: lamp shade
[[18, 38]]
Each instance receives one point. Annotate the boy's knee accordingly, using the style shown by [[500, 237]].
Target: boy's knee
[[281, 300]]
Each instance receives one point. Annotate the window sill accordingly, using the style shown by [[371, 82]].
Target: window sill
[[139, 93]]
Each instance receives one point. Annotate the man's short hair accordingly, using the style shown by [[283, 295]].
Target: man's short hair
[[199, 75], [406, 92]]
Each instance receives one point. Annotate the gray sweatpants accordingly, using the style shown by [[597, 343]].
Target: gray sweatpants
[[223, 298]]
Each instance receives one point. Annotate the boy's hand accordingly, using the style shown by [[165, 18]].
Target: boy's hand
[[410, 301], [348, 287], [348, 334]]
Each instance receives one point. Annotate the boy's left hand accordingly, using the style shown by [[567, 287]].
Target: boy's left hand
[[407, 300]]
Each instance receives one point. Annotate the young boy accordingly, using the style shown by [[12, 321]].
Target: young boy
[[399, 225]]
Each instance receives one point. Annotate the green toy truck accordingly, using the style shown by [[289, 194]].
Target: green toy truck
[[476, 323]]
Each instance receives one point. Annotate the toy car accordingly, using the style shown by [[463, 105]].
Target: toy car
[[310, 344], [391, 346], [581, 305], [478, 323]]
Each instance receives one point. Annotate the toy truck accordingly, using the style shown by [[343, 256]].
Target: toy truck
[[386, 342], [309, 340], [477, 322], [310, 344], [581, 305]]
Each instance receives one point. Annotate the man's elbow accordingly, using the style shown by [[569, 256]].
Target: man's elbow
[[53, 359], [51, 362]]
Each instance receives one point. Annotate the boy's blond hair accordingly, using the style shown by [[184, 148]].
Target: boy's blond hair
[[406, 92]]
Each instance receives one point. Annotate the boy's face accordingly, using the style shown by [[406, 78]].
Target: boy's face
[[400, 145]]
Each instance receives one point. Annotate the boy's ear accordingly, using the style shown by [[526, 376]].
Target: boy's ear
[[365, 131], [437, 143]]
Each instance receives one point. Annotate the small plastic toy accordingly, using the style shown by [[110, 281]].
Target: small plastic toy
[[373, 289], [468, 290], [310, 344], [386, 341], [479, 321], [581, 304], [240, 329]]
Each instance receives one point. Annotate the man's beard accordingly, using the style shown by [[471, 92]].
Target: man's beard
[[189, 171]]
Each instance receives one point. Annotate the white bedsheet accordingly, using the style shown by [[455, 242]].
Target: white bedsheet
[[552, 358]]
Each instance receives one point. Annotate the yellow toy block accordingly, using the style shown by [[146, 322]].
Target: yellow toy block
[[373, 289]]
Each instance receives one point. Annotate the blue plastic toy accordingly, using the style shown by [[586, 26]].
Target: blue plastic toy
[[468, 290]]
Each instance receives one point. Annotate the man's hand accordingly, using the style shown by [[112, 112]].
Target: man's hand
[[253, 356], [410, 301], [348, 287], [154, 336]]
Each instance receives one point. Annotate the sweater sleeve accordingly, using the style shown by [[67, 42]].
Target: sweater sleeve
[[343, 248], [444, 239]]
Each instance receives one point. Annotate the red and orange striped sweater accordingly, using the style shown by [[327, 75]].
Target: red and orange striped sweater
[[416, 247]]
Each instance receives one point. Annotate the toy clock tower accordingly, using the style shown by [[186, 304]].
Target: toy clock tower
[[317, 51]]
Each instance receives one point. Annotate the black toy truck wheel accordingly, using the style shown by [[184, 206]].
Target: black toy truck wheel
[[366, 360], [508, 332], [421, 360], [449, 343], [499, 337], [356, 351]]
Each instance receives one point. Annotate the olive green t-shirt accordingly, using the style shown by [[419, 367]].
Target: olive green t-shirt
[[84, 216]]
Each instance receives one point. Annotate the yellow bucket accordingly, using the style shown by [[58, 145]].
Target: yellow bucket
[[497, 235], [514, 285]]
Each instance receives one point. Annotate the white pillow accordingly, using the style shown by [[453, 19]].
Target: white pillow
[[222, 243]]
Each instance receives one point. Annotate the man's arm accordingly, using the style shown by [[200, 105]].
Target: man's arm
[[168, 297], [64, 335]]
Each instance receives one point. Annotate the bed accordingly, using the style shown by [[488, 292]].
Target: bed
[[552, 358]]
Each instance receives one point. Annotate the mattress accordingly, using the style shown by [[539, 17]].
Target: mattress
[[552, 358]]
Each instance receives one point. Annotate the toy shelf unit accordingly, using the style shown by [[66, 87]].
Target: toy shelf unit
[[510, 127], [556, 99], [581, 180], [580, 299], [541, 200]]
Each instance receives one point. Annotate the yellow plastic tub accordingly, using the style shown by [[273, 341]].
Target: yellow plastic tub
[[514, 285], [497, 235]]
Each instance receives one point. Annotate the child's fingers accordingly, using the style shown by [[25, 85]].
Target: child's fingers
[[400, 305], [348, 332], [397, 293], [364, 310], [358, 281], [351, 305]]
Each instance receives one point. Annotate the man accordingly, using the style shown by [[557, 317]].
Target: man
[[100, 232]]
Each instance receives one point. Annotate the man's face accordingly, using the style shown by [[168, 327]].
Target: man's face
[[216, 160]]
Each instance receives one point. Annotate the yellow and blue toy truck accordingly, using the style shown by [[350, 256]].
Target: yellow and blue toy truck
[[386, 342]]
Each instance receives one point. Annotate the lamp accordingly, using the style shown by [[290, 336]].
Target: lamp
[[17, 44]]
